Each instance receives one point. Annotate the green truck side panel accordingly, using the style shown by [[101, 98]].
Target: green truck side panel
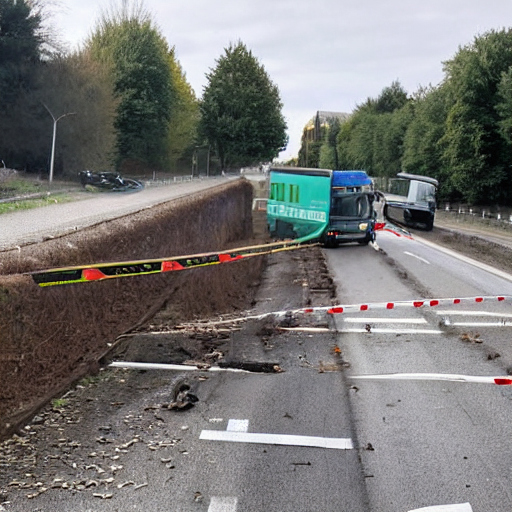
[[301, 201]]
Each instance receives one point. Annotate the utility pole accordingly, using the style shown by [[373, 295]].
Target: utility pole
[[55, 121]]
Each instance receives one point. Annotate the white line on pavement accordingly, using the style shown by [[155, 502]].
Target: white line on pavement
[[503, 323], [223, 504], [500, 380], [465, 259], [417, 257], [393, 331], [238, 426], [278, 439], [462, 507], [458, 312], [388, 320]]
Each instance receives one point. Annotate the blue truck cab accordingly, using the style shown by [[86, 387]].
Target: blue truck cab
[[351, 215]]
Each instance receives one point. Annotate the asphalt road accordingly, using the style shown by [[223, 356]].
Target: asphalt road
[[31, 226], [399, 445], [435, 442]]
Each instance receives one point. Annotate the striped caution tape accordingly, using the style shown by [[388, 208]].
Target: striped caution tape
[[361, 308], [102, 271], [500, 380]]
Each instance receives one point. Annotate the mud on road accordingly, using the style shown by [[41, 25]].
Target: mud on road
[[83, 443]]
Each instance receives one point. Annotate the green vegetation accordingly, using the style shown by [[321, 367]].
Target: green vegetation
[[136, 54], [59, 403], [241, 110], [19, 186], [134, 110], [27, 204], [458, 132]]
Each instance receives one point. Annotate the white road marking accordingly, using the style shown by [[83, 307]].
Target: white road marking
[[455, 312], [503, 323], [462, 507], [174, 367], [393, 331], [501, 380], [465, 259], [238, 426], [417, 257], [277, 439], [389, 320], [223, 504]]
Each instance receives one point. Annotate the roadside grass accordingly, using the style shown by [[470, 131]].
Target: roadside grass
[[36, 202], [17, 186]]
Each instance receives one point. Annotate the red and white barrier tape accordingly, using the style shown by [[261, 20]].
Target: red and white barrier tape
[[500, 380], [369, 306]]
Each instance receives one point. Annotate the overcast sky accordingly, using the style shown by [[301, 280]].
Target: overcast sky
[[322, 54]]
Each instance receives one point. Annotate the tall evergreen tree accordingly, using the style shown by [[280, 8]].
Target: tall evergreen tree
[[138, 54], [241, 110], [185, 115], [20, 47]]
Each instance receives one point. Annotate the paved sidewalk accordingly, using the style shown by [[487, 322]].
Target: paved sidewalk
[[32, 226]]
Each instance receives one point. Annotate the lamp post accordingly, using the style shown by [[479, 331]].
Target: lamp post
[[55, 121]]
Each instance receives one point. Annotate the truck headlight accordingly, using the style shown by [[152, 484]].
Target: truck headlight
[[363, 226]]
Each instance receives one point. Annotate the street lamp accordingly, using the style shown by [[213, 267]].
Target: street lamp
[[55, 121]]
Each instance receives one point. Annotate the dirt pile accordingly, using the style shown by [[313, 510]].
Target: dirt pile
[[50, 337]]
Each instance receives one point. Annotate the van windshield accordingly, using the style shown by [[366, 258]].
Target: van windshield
[[351, 206]]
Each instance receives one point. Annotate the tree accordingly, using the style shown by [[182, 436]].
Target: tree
[[476, 151], [504, 106], [424, 141], [138, 55], [185, 114], [20, 47], [391, 98], [241, 110], [373, 139]]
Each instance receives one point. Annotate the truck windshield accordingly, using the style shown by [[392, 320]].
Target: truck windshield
[[351, 206]]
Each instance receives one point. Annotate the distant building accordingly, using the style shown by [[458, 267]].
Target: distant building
[[313, 136], [315, 128]]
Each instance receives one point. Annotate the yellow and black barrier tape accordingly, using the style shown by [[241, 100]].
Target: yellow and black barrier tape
[[102, 271]]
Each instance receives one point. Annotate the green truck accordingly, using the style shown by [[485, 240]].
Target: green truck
[[329, 206]]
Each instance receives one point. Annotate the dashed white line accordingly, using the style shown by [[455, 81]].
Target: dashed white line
[[417, 257], [238, 426], [223, 504], [277, 439], [465, 259]]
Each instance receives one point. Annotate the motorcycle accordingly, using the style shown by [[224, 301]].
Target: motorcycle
[[111, 181]]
